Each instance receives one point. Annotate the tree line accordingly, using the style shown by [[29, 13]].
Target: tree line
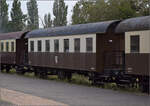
[[84, 11], [103, 10]]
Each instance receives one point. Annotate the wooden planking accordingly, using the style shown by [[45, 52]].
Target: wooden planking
[[104, 46], [21, 51], [8, 57], [74, 61], [137, 63]]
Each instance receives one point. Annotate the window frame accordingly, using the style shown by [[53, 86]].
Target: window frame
[[87, 44], [39, 45], [133, 44], [12, 46], [66, 45], [56, 46], [7, 46], [76, 48], [2, 46], [47, 45], [31, 46]]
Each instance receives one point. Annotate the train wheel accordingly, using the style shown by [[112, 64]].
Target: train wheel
[[7, 70], [69, 76], [144, 84], [145, 88], [94, 83], [20, 72], [2, 69], [61, 75], [37, 74], [43, 75]]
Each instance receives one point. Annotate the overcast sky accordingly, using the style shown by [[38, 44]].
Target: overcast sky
[[45, 6]]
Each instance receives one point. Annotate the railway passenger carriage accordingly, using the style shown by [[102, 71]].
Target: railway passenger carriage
[[111, 51], [75, 48], [13, 49], [137, 52], [137, 48], [61, 52]]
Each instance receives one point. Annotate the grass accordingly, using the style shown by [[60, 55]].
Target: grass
[[4, 103], [82, 80], [114, 86]]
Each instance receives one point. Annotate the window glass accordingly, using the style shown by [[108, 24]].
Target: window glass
[[39, 45], [89, 44], [12, 46], [47, 45], [77, 45], [56, 45], [32, 46], [2, 46], [134, 44], [7, 46], [66, 45]]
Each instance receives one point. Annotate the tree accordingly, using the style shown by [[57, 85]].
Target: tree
[[81, 12], [120, 9], [142, 7], [17, 22], [60, 13], [86, 11], [3, 16], [98, 11], [47, 21], [33, 18]]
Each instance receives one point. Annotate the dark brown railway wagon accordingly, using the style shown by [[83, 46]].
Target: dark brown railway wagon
[[137, 44], [137, 49], [12, 48], [96, 39]]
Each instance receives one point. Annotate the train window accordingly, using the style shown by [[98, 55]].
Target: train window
[[47, 45], [32, 46], [77, 45], [66, 45], [89, 44], [56, 45], [39, 45], [7, 46], [2, 46], [12, 46], [134, 44]]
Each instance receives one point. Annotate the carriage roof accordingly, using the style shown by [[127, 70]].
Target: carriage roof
[[90, 28], [134, 24], [12, 35]]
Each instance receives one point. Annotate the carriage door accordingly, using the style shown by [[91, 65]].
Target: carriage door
[[113, 54], [21, 51], [114, 60]]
